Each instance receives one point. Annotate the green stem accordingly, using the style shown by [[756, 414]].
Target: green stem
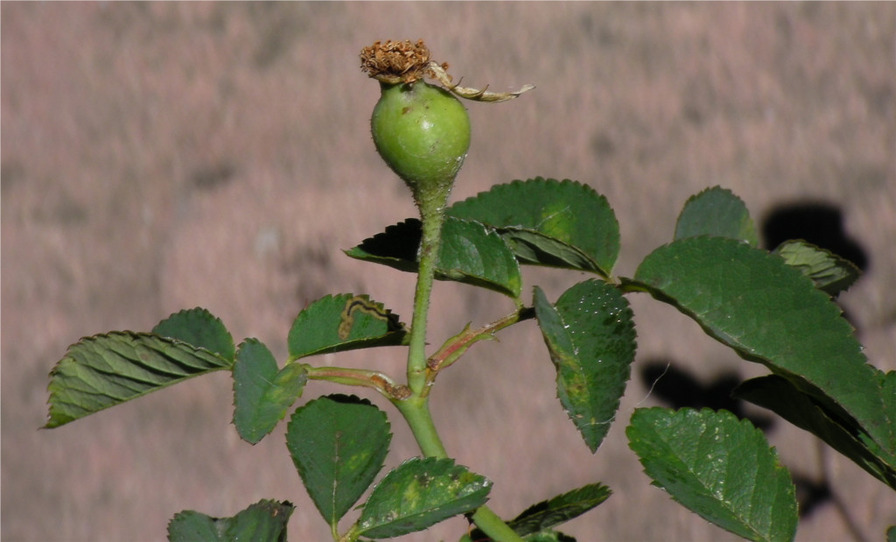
[[416, 412], [494, 526], [433, 216], [359, 377], [415, 408]]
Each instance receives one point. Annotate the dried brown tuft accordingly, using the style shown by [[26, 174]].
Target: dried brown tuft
[[396, 61]]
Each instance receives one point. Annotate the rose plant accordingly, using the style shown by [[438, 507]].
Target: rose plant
[[773, 308]]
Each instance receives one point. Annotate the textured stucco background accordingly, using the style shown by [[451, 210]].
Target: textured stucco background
[[160, 156]]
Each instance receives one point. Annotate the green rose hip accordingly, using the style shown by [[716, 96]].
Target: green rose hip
[[423, 133]]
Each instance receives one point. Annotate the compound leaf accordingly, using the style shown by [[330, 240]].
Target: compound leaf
[[549, 222], [261, 392], [105, 370], [343, 322], [828, 271], [719, 467], [420, 493], [591, 339], [769, 312], [200, 328], [338, 444], [717, 212], [264, 520], [469, 253]]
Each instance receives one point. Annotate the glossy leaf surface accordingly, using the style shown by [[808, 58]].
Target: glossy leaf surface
[[343, 322], [262, 392], [338, 444], [477, 255], [549, 222], [420, 493], [718, 466], [590, 335], [770, 313]]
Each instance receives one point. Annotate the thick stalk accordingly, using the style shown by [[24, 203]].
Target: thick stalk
[[415, 409], [416, 412], [494, 526], [432, 214]]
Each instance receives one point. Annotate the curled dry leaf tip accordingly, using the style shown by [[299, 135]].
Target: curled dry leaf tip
[[394, 62]]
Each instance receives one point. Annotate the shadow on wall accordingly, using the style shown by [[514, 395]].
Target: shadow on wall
[[677, 388], [818, 223]]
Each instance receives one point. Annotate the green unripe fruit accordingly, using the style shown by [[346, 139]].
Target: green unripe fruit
[[423, 133]]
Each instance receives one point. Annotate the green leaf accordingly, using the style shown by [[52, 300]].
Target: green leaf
[[534, 248], [719, 467], [887, 386], [887, 383], [343, 322], [829, 272], [549, 222], [189, 525], [591, 339], [559, 509], [769, 312], [105, 370], [420, 493], [469, 253], [554, 511], [780, 396], [264, 520], [200, 328], [261, 392], [891, 534], [477, 255], [338, 445], [717, 212]]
